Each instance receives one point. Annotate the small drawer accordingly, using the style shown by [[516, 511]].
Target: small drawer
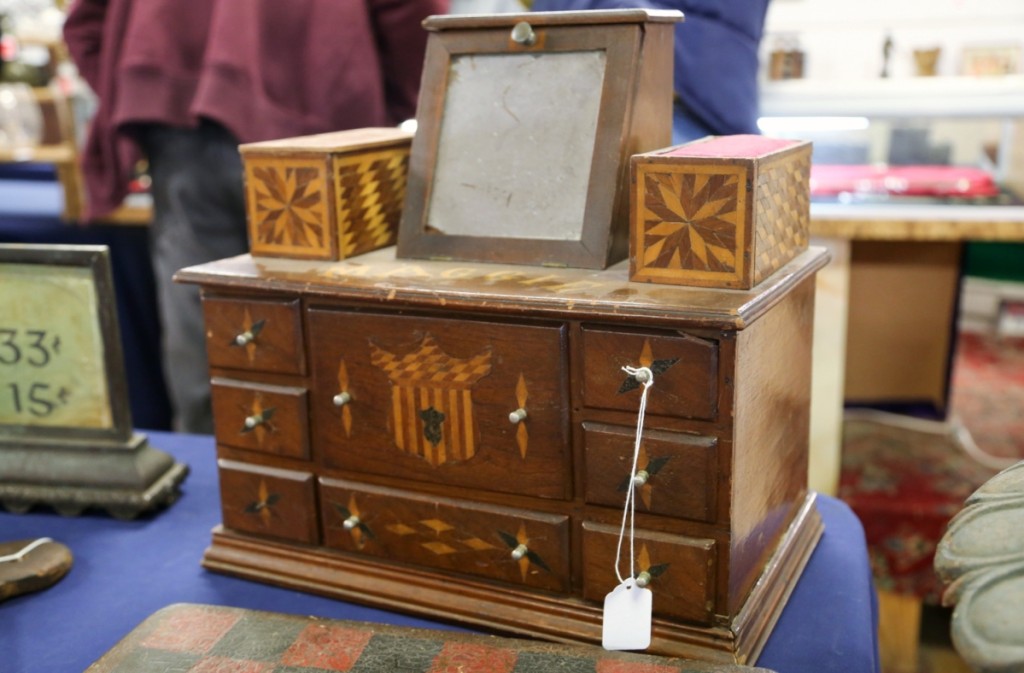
[[501, 543], [265, 418], [677, 471], [680, 570], [685, 372], [268, 501], [256, 335]]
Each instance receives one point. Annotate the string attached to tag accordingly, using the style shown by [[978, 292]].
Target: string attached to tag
[[23, 552], [627, 609]]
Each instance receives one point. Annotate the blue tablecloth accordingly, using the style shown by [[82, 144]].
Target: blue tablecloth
[[126, 570]]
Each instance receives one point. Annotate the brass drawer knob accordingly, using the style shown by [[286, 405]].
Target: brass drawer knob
[[341, 399], [249, 335], [519, 552], [257, 420], [517, 416], [351, 522], [641, 478], [522, 33], [643, 579]]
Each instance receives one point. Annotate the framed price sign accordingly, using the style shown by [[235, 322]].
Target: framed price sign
[[66, 437]]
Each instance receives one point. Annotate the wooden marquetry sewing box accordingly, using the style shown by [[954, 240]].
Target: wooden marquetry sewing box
[[454, 440]]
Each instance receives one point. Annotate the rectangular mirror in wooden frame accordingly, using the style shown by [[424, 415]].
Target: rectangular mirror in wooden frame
[[526, 124]]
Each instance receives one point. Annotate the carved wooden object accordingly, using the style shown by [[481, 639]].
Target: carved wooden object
[[981, 558], [454, 440], [725, 211]]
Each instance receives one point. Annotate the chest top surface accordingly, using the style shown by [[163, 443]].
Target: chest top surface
[[380, 278]]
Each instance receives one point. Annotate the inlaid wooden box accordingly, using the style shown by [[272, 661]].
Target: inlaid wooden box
[[455, 439], [328, 196], [725, 211]]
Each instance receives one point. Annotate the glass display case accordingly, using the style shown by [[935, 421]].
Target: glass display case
[[965, 122], [905, 172]]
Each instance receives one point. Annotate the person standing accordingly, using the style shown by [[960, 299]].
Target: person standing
[[182, 83], [716, 61]]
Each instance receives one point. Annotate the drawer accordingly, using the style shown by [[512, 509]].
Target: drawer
[[256, 335], [500, 543], [268, 501], [431, 399], [257, 417], [685, 372], [678, 470], [681, 569]]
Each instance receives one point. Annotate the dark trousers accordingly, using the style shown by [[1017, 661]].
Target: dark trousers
[[198, 216]]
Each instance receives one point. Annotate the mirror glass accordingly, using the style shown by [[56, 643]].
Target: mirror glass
[[516, 145]]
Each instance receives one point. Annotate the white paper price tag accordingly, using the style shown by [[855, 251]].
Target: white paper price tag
[[627, 618]]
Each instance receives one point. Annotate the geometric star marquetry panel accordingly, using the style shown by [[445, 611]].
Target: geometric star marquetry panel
[[327, 196], [726, 211], [692, 223], [286, 209]]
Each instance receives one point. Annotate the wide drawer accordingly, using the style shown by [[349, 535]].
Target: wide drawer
[[268, 501], [680, 570], [676, 472], [685, 372], [256, 335], [258, 417], [501, 543], [455, 402]]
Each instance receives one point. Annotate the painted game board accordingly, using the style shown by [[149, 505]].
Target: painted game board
[[188, 638]]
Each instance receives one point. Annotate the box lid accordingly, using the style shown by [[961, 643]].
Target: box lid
[[335, 141]]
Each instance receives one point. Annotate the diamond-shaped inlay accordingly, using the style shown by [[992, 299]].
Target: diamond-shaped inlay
[[262, 506], [250, 328], [437, 525], [346, 410], [439, 548], [476, 544], [522, 434], [646, 360], [401, 529]]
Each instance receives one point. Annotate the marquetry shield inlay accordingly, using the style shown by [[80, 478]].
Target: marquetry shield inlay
[[692, 221], [432, 400], [286, 209]]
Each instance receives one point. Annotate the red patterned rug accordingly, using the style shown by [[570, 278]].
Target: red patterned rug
[[906, 478], [988, 392]]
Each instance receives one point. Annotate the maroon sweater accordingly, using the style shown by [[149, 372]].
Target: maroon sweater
[[264, 69]]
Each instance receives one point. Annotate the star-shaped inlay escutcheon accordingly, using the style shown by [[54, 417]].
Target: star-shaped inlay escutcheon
[[264, 503], [646, 359]]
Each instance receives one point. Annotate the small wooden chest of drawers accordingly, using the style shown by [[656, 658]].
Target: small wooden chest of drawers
[[456, 440]]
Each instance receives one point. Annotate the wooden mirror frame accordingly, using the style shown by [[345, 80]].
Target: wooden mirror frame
[[634, 116], [51, 260]]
